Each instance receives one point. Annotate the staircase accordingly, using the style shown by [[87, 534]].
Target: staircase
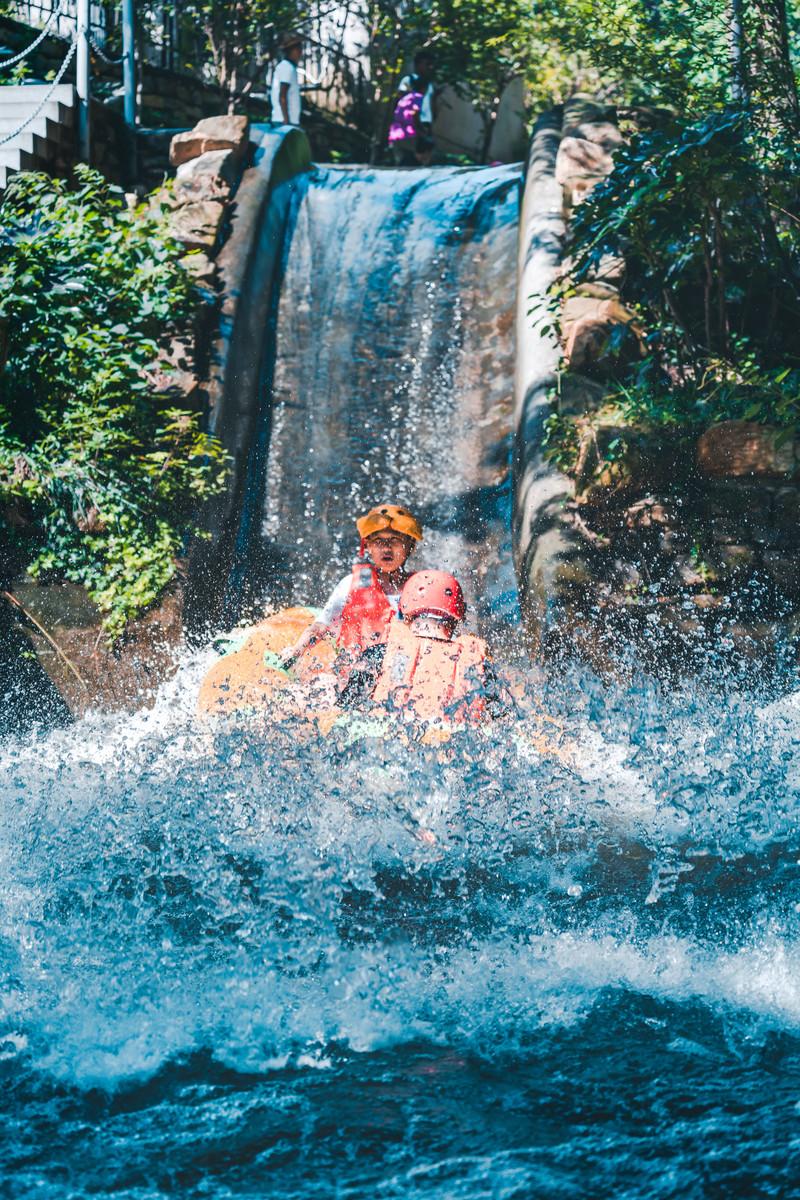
[[47, 143]]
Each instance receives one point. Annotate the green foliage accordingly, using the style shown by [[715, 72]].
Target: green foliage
[[702, 212], [712, 252], [672, 53], [234, 40], [561, 442], [686, 55], [101, 470]]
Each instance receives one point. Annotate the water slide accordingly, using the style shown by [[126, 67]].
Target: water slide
[[393, 381], [230, 966]]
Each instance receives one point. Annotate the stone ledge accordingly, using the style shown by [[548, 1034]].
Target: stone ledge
[[743, 448]]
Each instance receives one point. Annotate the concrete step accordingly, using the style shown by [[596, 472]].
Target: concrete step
[[18, 160], [47, 142], [43, 126], [17, 111], [30, 142], [32, 94]]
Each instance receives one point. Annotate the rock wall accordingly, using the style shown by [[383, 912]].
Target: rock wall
[[677, 545]]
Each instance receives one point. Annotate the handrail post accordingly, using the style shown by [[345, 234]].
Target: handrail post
[[82, 81], [129, 62]]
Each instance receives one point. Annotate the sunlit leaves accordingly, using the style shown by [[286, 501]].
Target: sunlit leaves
[[108, 470]]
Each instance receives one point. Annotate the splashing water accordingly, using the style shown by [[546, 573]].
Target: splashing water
[[558, 957], [231, 964]]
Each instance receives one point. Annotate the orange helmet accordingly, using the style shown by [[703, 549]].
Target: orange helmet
[[389, 516], [433, 592]]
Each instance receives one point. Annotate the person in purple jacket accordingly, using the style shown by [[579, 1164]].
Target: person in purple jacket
[[410, 135]]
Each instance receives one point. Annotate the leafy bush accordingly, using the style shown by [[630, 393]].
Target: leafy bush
[[703, 213], [712, 250], [100, 473]]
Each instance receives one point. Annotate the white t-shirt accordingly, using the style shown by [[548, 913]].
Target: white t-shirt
[[285, 72], [331, 614], [426, 108]]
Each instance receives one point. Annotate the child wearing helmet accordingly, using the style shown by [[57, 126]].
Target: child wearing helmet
[[361, 606], [425, 669]]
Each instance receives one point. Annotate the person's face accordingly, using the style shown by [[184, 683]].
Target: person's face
[[424, 68], [388, 551], [295, 53]]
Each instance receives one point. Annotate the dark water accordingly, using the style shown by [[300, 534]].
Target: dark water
[[560, 958]]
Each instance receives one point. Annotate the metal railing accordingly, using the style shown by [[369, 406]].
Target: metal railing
[[335, 78], [83, 25], [39, 13]]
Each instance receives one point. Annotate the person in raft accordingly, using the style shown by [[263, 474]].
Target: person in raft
[[411, 133], [425, 668], [360, 608]]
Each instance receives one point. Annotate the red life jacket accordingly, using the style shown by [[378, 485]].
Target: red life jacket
[[367, 613], [434, 680]]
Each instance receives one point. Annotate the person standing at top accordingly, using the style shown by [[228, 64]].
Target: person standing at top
[[285, 89], [411, 132]]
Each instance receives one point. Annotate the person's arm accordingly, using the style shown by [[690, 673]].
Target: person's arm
[[403, 88], [309, 637], [283, 99], [427, 111], [324, 624]]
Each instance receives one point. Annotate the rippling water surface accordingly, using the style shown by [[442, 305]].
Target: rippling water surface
[[235, 963]]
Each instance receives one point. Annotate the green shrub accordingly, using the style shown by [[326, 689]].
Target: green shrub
[[702, 211], [104, 469]]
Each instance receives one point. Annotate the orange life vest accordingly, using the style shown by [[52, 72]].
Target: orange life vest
[[367, 613], [434, 680]]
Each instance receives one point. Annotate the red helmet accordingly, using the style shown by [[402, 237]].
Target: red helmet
[[433, 592]]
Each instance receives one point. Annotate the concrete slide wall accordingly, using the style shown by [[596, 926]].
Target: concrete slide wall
[[250, 265]]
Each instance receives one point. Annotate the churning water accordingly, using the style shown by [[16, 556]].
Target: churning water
[[557, 958], [235, 962]]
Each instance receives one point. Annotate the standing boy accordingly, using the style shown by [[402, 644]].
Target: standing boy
[[285, 90]]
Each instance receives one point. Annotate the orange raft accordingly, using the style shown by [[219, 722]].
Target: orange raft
[[251, 676]]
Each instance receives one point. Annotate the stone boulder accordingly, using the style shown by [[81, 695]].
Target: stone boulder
[[579, 395], [598, 334], [741, 448], [201, 268], [604, 133], [198, 224], [615, 460], [210, 176], [580, 164], [581, 110], [212, 133]]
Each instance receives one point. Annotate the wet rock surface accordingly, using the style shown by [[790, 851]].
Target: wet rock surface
[[742, 448], [63, 665]]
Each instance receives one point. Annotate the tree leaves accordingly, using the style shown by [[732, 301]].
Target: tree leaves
[[92, 294]]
